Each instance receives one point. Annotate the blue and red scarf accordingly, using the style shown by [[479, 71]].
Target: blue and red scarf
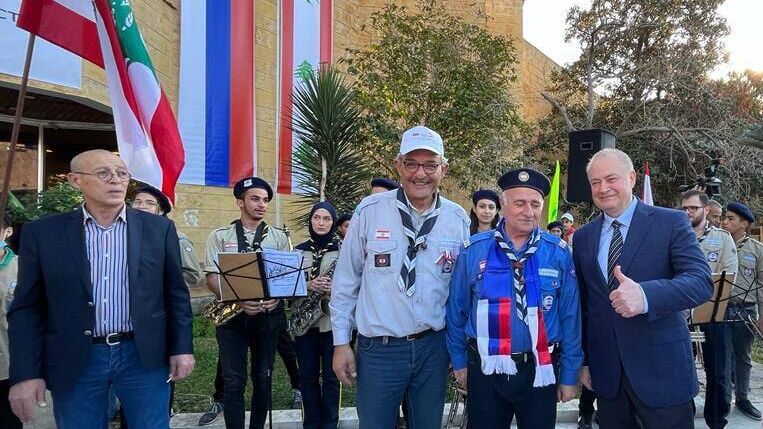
[[494, 309]]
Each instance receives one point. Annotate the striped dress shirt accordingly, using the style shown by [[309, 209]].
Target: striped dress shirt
[[107, 254]]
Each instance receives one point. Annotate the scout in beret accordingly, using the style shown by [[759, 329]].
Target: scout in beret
[[247, 183], [382, 184]]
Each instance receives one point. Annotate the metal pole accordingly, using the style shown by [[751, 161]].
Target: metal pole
[[40, 158], [16, 127]]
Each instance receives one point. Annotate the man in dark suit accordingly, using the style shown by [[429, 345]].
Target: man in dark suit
[[100, 304], [638, 268]]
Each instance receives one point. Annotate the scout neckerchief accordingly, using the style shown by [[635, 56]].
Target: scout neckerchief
[[742, 242], [416, 240], [7, 258], [259, 235], [705, 233], [494, 310], [318, 253]]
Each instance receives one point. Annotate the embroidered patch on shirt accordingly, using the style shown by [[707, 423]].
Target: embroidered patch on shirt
[[548, 302], [382, 260], [230, 246], [748, 272], [750, 258], [712, 256], [483, 265], [382, 234], [713, 241]]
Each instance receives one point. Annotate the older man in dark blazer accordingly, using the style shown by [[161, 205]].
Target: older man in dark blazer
[[100, 304], [638, 268]]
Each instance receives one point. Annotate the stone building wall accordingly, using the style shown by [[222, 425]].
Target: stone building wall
[[199, 208]]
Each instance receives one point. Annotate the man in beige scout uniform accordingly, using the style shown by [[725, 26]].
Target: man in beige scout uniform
[[746, 302], [720, 253]]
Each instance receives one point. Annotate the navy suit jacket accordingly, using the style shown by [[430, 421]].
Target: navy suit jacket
[[662, 254], [52, 317]]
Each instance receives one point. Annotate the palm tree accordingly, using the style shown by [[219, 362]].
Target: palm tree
[[327, 164]]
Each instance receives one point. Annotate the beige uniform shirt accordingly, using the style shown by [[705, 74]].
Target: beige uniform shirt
[[750, 274], [324, 323], [191, 269], [224, 240], [720, 251], [8, 276]]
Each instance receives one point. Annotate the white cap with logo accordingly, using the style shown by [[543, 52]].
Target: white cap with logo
[[421, 137], [567, 216]]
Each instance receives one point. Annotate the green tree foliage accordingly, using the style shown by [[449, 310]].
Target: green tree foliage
[[327, 163], [645, 74], [58, 198], [429, 67]]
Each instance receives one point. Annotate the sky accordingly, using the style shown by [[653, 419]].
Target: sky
[[544, 27]]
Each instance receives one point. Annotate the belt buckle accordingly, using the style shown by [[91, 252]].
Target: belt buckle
[[410, 337], [108, 339]]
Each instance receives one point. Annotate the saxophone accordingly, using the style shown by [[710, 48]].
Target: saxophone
[[220, 313], [306, 311]]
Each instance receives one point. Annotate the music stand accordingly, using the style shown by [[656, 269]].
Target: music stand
[[241, 275], [714, 310]]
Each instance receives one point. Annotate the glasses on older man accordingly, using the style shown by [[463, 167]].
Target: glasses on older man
[[147, 203], [413, 166], [106, 174]]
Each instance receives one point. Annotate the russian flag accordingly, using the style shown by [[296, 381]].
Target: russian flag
[[216, 102], [306, 42]]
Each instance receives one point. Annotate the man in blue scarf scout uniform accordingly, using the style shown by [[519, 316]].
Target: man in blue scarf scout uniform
[[513, 315]]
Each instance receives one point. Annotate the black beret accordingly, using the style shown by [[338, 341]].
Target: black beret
[[742, 210], [486, 194], [385, 183], [555, 224], [343, 218], [247, 183], [164, 202], [525, 178]]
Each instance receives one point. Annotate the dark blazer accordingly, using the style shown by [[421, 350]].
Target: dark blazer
[[52, 315], [662, 254]]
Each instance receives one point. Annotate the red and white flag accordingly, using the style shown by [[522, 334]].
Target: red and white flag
[[105, 32], [647, 196]]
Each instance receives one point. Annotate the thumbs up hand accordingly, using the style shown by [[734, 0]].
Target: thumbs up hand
[[628, 298]]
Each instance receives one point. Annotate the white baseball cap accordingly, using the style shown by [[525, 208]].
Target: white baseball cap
[[567, 216], [421, 137]]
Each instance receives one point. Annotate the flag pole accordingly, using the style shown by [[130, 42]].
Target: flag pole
[[16, 127]]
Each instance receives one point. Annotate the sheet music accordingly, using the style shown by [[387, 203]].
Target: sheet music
[[283, 272]]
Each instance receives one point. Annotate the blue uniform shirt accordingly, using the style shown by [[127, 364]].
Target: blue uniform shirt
[[560, 301]]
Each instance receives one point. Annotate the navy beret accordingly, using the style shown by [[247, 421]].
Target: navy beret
[[525, 178], [164, 202], [742, 210], [385, 183], [247, 183], [486, 194], [344, 218], [555, 224]]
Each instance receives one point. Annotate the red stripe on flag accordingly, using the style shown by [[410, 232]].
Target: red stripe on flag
[[241, 90], [327, 22], [168, 146], [504, 326], [61, 26], [287, 79]]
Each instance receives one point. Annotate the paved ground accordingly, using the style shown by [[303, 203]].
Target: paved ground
[[567, 413]]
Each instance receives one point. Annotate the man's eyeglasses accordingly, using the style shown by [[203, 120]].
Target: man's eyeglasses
[[691, 209], [413, 166], [106, 175]]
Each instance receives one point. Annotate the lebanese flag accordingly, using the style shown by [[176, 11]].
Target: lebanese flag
[[147, 133], [647, 196]]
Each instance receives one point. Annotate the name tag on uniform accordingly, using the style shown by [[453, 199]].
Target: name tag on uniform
[[548, 272], [382, 260], [382, 234], [713, 241], [749, 258], [230, 246]]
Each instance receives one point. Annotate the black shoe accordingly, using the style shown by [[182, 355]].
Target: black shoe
[[211, 415], [749, 410], [297, 402], [585, 422]]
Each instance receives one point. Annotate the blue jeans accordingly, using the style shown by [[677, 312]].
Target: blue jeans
[[389, 368], [144, 394]]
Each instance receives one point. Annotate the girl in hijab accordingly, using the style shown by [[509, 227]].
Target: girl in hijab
[[315, 348]]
